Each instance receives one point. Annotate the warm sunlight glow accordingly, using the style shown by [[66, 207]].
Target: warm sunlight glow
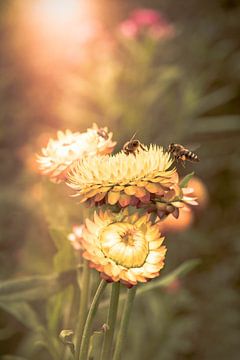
[[58, 15], [56, 30]]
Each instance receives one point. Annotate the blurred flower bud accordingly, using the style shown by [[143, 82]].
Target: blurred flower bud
[[146, 22], [174, 287], [172, 224], [200, 192], [76, 236]]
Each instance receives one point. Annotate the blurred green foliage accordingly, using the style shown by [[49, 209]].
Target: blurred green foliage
[[189, 94]]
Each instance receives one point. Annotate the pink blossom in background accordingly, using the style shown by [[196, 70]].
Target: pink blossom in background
[[146, 17], [146, 21]]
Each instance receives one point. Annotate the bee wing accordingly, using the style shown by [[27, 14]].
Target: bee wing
[[192, 147]]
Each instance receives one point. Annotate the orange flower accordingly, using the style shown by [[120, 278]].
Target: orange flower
[[60, 154], [123, 247]]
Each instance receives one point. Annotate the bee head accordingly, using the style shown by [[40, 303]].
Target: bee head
[[135, 143], [170, 147], [101, 132]]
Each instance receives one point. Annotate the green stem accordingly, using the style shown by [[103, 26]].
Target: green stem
[[111, 320], [89, 321], [84, 280], [124, 323]]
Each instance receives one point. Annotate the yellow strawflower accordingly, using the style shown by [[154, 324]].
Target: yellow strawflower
[[145, 179], [123, 247]]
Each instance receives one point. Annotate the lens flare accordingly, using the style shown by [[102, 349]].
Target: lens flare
[[57, 15], [57, 31]]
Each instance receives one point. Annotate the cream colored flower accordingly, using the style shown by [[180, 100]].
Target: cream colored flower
[[123, 248], [75, 237], [142, 180], [60, 154]]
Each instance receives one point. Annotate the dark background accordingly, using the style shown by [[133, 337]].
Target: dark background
[[196, 101]]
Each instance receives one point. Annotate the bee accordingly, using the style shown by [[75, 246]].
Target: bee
[[182, 154], [103, 133], [133, 146]]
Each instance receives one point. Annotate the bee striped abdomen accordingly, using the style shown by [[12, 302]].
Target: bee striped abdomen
[[191, 156], [182, 154]]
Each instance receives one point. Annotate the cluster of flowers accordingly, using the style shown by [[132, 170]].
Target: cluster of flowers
[[146, 22], [132, 194]]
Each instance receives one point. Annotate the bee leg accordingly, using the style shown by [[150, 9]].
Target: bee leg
[[183, 163], [142, 147]]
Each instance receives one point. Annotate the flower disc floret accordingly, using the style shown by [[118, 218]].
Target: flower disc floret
[[129, 250]]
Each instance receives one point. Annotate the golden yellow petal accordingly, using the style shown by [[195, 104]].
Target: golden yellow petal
[[124, 200], [115, 270], [92, 227], [118, 188], [142, 183], [140, 192], [153, 188], [142, 220], [151, 268], [155, 244], [141, 278], [91, 193], [130, 190], [154, 257], [131, 276], [153, 275], [113, 197], [105, 188], [82, 199], [99, 197], [87, 256]]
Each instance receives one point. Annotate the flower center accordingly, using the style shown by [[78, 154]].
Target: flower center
[[124, 244]]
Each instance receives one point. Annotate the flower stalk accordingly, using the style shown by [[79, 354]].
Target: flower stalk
[[124, 323], [88, 325], [84, 296], [111, 320]]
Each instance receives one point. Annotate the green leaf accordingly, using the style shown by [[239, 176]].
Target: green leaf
[[216, 124], [24, 313], [186, 179], [182, 270], [35, 287], [12, 357], [7, 332], [58, 309], [64, 258], [217, 98]]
